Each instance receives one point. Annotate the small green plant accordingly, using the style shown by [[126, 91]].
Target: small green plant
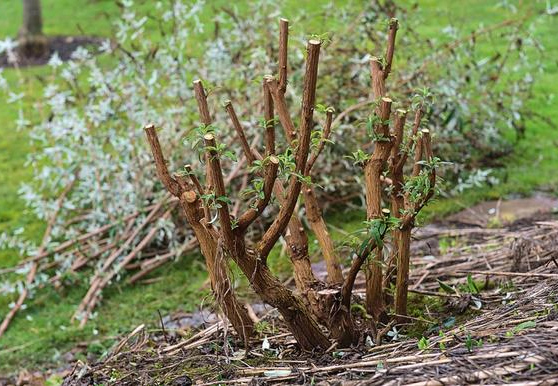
[[359, 157], [520, 327], [471, 343], [423, 343]]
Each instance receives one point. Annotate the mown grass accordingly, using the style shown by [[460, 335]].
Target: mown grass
[[42, 332]]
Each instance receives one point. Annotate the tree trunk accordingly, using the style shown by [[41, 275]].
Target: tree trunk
[[32, 42], [32, 18]]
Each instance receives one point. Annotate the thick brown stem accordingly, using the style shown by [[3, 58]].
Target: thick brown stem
[[220, 192], [32, 18], [397, 201], [216, 264], [401, 284], [252, 213], [319, 227], [372, 173], [160, 162], [217, 268], [297, 248], [393, 25], [201, 192], [269, 119], [308, 99], [296, 315], [32, 43], [240, 132], [423, 146], [377, 76], [283, 46], [341, 325]]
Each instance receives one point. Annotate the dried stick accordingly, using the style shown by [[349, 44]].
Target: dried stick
[[104, 280], [34, 265], [67, 244], [154, 263], [96, 281]]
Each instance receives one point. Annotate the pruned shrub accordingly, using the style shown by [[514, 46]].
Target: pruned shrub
[[329, 303], [91, 177]]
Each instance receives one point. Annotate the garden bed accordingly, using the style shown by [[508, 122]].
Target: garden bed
[[475, 327]]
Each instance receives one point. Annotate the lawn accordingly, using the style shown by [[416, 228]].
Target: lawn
[[42, 333]]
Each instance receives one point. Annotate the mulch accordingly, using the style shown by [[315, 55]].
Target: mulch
[[511, 339]]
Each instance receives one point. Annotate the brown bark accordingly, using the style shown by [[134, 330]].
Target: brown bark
[[393, 26], [32, 42], [240, 132], [297, 248], [319, 227], [423, 146], [283, 46], [32, 18], [215, 261], [315, 216], [270, 174], [401, 284], [372, 173], [296, 315], [308, 99], [397, 202], [269, 119]]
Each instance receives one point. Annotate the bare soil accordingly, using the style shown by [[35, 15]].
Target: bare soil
[[64, 46]]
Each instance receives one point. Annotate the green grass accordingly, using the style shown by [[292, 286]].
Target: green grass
[[48, 334], [534, 163], [43, 332]]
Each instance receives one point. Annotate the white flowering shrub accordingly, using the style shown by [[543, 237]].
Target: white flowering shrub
[[96, 104]]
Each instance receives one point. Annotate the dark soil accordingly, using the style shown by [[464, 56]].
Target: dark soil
[[63, 45]]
